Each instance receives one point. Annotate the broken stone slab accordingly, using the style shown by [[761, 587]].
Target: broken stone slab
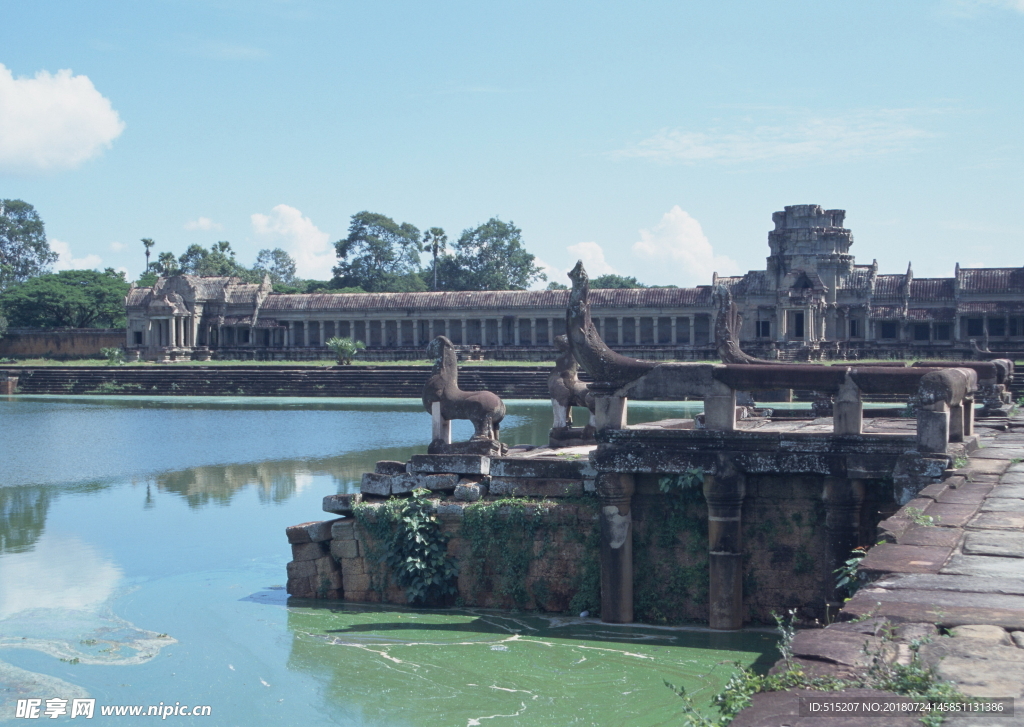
[[342, 504], [985, 566], [934, 490], [460, 464], [1003, 504], [517, 487], [983, 632], [889, 558], [836, 647], [389, 467], [943, 608], [311, 532], [960, 584], [994, 542], [439, 483], [376, 484], [997, 521]]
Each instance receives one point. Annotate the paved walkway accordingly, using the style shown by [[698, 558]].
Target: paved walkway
[[951, 573]]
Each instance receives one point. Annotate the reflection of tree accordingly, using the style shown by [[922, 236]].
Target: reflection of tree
[[22, 516]]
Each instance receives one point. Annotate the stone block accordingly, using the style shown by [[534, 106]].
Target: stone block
[[995, 542], [988, 466], [356, 582], [450, 510], [301, 568], [516, 487], [309, 551], [436, 483], [997, 521], [312, 532], [979, 668], [985, 566], [299, 587], [469, 492], [1003, 490], [344, 529], [951, 516], [929, 535], [1003, 504], [983, 632], [558, 468], [461, 464], [341, 504], [933, 491], [389, 467], [965, 495], [353, 567], [375, 484], [888, 558], [342, 549]]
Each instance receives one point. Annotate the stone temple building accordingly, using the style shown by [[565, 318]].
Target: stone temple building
[[811, 301]]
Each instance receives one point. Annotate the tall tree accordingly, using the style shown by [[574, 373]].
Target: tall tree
[[378, 255], [166, 264], [147, 243], [276, 263], [72, 298], [435, 241], [219, 260], [24, 251], [611, 280], [492, 257]]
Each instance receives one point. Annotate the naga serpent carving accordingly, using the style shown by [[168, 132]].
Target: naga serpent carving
[[585, 343], [726, 324], [484, 408]]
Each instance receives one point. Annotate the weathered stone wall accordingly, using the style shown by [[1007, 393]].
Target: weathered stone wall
[[60, 343]]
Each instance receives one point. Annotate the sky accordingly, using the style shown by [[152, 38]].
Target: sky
[[650, 139]]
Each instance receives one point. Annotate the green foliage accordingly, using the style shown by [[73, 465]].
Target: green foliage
[[114, 355], [379, 255], [345, 349], [557, 286], [490, 257], [24, 250], [276, 263], [917, 516], [613, 281], [411, 545], [502, 533], [960, 461], [219, 260], [148, 279], [848, 578], [435, 241], [70, 298]]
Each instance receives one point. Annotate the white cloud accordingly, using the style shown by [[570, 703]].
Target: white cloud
[[203, 223], [117, 246], [286, 227], [812, 139], [552, 273], [67, 261], [592, 256], [676, 252], [52, 121]]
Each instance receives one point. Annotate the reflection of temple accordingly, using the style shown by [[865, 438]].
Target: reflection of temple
[[812, 297]]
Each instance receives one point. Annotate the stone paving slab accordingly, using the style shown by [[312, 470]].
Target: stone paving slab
[[773, 709], [945, 608], [836, 647], [1003, 504], [929, 535], [985, 465], [890, 558], [1007, 489], [997, 521], [985, 566], [998, 453], [961, 584], [979, 667], [1012, 478], [965, 495], [994, 542], [951, 516]]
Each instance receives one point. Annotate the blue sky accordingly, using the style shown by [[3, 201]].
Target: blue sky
[[652, 139]]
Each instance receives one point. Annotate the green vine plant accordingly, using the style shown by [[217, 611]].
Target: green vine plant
[[917, 516], [913, 679], [848, 578], [409, 543], [114, 355]]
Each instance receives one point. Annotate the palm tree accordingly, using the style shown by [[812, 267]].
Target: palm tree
[[148, 243], [345, 348], [436, 242]]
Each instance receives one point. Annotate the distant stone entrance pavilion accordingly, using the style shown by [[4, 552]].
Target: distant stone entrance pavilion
[[812, 301]]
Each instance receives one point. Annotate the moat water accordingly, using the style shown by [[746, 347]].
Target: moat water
[[142, 561]]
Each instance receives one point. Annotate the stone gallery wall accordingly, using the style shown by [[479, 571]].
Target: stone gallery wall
[[60, 343]]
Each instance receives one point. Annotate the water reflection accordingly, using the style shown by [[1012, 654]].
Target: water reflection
[[22, 516]]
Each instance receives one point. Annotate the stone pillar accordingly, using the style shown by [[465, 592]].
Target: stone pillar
[[675, 332], [440, 428], [724, 492], [956, 423], [501, 331], [720, 408], [610, 411], [933, 428], [843, 498], [783, 327], [615, 490], [515, 330], [848, 409], [533, 331]]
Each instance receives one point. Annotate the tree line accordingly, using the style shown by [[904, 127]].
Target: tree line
[[377, 255]]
